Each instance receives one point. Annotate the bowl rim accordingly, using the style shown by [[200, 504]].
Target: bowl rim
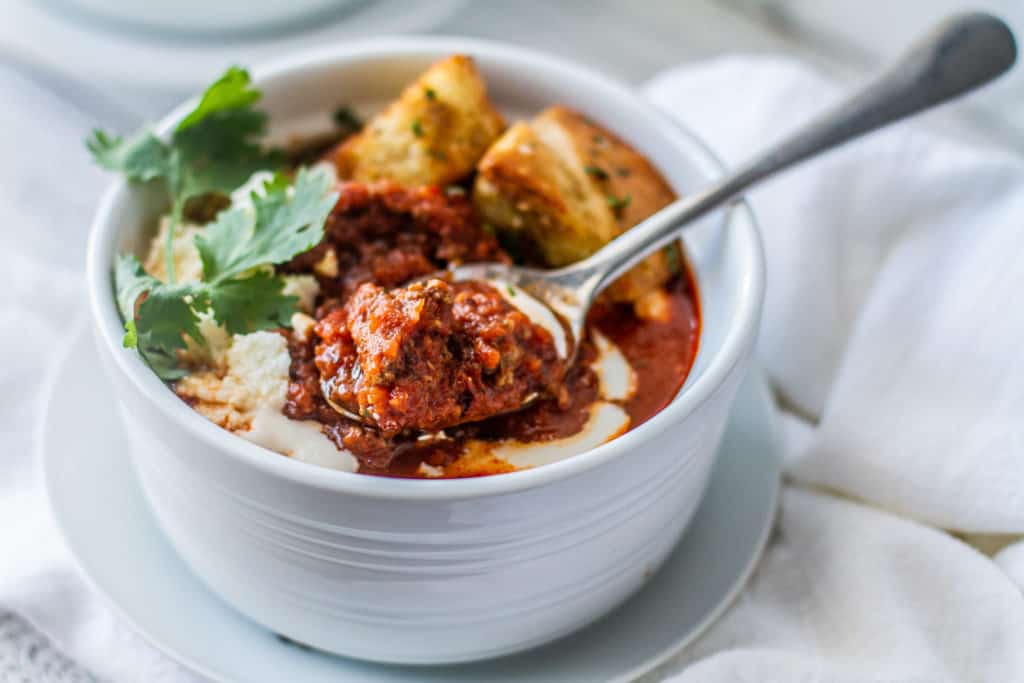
[[739, 337]]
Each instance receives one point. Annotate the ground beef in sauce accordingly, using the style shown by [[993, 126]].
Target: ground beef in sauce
[[433, 355], [553, 416], [386, 234], [383, 234]]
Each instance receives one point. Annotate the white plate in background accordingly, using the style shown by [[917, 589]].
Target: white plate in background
[[205, 17], [78, 42]]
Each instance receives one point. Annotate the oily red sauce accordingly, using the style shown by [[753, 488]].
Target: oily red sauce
[[660, 352], [551, 417], [386, 235]]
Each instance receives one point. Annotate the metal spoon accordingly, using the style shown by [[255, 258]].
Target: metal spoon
[[961, 54]]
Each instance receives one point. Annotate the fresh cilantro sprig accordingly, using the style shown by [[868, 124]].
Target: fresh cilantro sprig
[[238, 287], [214, 149]]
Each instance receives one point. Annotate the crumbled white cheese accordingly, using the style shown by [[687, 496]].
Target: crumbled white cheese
[[247, 394], [328, 265], [655, 305], [302, 325], [254, 370], [257, 370], [430, 471], [305, 287], [213, 352]]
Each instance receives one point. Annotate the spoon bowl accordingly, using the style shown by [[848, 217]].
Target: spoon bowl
[[549, 302], [535, 292]]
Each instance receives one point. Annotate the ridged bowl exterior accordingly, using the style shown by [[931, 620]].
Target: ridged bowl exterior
[[395, 571], [425, 581]]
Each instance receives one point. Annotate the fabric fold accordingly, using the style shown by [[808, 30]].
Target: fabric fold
[[893, 267]]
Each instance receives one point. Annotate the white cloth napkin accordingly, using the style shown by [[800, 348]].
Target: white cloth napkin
[[892, 326], [893, 323]]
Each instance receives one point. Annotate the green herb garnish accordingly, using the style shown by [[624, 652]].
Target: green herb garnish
[[519, 247], [417, 128], [239, 287], [619, 203], [437, 154], [214, 149], [431, 95], [347, 119], [511, 290], [596, 172], [672, 258]]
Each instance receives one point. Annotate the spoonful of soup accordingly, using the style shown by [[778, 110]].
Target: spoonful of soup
[[436, 353], [454, 349]]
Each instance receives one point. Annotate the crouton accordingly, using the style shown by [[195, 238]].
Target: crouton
[[569, 186], [527, 186], [433, 134]]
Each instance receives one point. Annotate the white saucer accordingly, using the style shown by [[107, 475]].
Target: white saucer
[[103, 52], [106, 522]]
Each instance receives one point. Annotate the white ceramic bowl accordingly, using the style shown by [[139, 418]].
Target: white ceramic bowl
[[418, 571]]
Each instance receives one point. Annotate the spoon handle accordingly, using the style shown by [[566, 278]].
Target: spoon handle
[[963, 53]]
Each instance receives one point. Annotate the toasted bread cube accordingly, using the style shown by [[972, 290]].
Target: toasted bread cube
[[569, 186], [433, 134], [527, 186]]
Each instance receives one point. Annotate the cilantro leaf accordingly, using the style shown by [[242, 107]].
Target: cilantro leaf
[[215, 148], [131, 336], [282, 223], [238, 286], [141, 157], [159, 312], [231, 91], [222, 151], [253, 303], [166, 313], [156, 315], [164, 365], [219, 141], [347, 120], [131, 281]]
